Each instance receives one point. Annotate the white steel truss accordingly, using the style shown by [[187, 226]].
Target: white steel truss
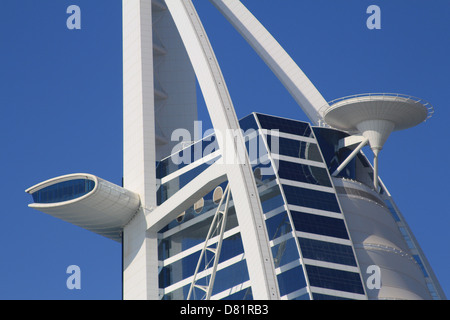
[[217, 229]]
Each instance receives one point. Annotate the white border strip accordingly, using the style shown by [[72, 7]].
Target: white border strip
[[232, 290], [307, 186], [315, 211], [298, 160], [291, 136], [338, 293], [191, 166], [331, 265], [295, 294], [319, 237]]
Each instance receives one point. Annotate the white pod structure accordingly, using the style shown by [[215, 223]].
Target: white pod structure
[[86, 201], [378, 242]]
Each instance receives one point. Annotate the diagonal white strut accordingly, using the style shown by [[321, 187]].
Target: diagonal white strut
[[278, 60], [350, 157]]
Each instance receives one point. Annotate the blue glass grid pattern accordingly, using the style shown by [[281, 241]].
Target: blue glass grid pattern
[[327, 251], [317, 224], [311, 198], [284, 125]]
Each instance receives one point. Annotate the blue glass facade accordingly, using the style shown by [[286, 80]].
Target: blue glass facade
[[312, 255], [310, 211], [64, 191]]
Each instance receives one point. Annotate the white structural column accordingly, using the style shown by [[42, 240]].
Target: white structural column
[[138, 96], [278, 60], [174, 77], [240, 176], [139, 249]]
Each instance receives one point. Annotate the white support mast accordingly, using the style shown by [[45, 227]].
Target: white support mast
[[278, 60], [240, 174]]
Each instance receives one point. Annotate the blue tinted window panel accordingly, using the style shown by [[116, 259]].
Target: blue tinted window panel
[[179, 182], [285, 252], [303, 297], [179, 270], [319, 296], [190, 213], [231, 247], [248, 122], [271, 198], [278, 225], [230, 276], [178, 294], [182, 293], [327, 251], [294, 148], [291, 280], [256, 150], [419, 262], [311, 198], [245, 294], [265, 171], [317, 224], [187, 156], [184, 239], [285, 125], [328, 139], [64, 191], [303, 173], [191, 236], [334, 279], [392, 210]]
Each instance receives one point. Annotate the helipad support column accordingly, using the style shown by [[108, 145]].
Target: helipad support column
[[376, 116]]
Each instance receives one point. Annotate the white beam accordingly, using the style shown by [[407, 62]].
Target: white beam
[[240, 175], [278, 60], [138, 101], [350, 157], [186, 197]]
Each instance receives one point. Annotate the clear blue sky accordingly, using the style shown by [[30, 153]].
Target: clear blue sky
[[61, 112]]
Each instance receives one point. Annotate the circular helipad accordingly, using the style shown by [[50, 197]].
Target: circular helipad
[[401, 110]]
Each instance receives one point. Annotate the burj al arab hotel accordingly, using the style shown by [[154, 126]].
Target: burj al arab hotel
[[264, 207]]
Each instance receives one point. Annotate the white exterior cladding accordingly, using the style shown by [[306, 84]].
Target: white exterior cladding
[[159, 97], [140, 276], [165, 50], [105, 210], [378, 241]]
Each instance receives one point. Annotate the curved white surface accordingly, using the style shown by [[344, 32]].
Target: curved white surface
[[104, 210], [403, 111], [277, 59], [378, 241], [240, 176]]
